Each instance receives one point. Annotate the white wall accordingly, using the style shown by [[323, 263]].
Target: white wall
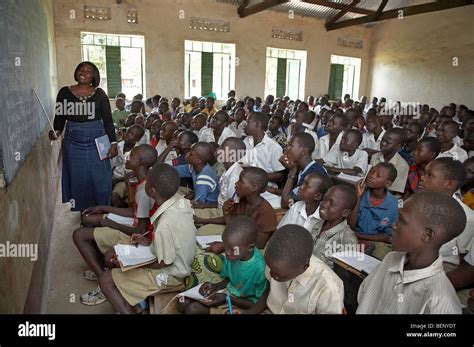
[[412, 58], [165, 33]]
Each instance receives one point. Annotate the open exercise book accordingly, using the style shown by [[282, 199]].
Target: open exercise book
[[358, 260], [193, 293], [204, 241], [131, 257]]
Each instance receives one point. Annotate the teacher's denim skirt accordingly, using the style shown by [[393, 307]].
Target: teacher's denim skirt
[[86, 180]]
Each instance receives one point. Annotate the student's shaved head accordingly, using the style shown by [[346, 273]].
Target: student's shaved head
[[234, 143], [356, 134], [291, 244], [260, 118], [171, 125], [147, 154], [350, 197], [164, 179], [243, 229], [453, 170], [257, 177], [305, 140], [204, 151], [439, 211]]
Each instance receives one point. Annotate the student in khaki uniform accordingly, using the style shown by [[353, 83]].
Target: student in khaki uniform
[[105, 226], [173, 244], [300, 283]]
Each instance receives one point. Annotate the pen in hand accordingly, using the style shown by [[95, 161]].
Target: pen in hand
[[133, 240]]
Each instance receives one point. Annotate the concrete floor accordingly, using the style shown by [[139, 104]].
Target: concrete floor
[[64, 281]]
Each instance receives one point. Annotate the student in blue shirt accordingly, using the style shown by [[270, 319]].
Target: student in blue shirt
[[297, 159], [205, 180], [377, 209]]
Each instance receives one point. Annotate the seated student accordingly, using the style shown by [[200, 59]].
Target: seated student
[[97, 227], [184, 121], [298, 126], [335, 128], [173, 244], [238, 126], [332, 233], [193, 104], [359, 124], [411, 279], [414, 132], [164, 111], [155, 131], [376, 210], [324, 117], [251, 184], [181, 146], [274, 131], [209, 109], [391, 143], [300, 283], [445, 175], [131, 138], [445, 133], [305, 212], [262, 151], [297, 159], [468, 187], [218, 130], [231, 151], [347, 158], [198, 124], [120, 114], [243, 273], [175, 107], [206, 189], [426, 150], [166, 136], [148, 123], [373, 136], [468, 142], [386, 120]]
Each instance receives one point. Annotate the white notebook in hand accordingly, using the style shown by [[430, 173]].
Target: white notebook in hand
[[193, 293], [129, 255], [358, 260]]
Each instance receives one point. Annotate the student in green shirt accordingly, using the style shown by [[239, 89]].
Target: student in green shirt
[[243, 273], [120, 114]]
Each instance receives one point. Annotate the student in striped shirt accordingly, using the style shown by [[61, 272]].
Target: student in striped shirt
[[411, 279]]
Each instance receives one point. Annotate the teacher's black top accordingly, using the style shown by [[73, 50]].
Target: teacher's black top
[[73, 108]]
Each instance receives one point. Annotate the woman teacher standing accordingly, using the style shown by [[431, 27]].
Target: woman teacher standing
[[86, 180]]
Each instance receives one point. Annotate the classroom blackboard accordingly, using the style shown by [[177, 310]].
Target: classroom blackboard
[[24, 65]]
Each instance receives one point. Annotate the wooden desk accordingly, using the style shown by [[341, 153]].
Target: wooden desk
[[352, 280]]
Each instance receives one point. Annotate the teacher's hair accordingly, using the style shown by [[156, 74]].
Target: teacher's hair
[[95, 73]]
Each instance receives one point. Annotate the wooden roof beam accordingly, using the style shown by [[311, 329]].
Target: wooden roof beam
[[337, 6], [342, 12], [407, 11]]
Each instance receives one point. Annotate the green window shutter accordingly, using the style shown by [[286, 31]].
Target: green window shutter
[[114, 70], [336, 78], [281, 78], [207, 66]]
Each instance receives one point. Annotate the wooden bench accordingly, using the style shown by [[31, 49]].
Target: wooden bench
[[160, 303]]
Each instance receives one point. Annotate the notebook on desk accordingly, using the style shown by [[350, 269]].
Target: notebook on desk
[[362, 262]]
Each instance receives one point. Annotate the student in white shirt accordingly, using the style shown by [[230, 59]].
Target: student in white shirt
[[348, 158], [411, 280], [166, 136], [306, 211], [198, 124], [373, 136], [392, 141], [300, 283], [262, 151], [299, 125], [445, 133], [335, 127], [238, 126], [218, 130]]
